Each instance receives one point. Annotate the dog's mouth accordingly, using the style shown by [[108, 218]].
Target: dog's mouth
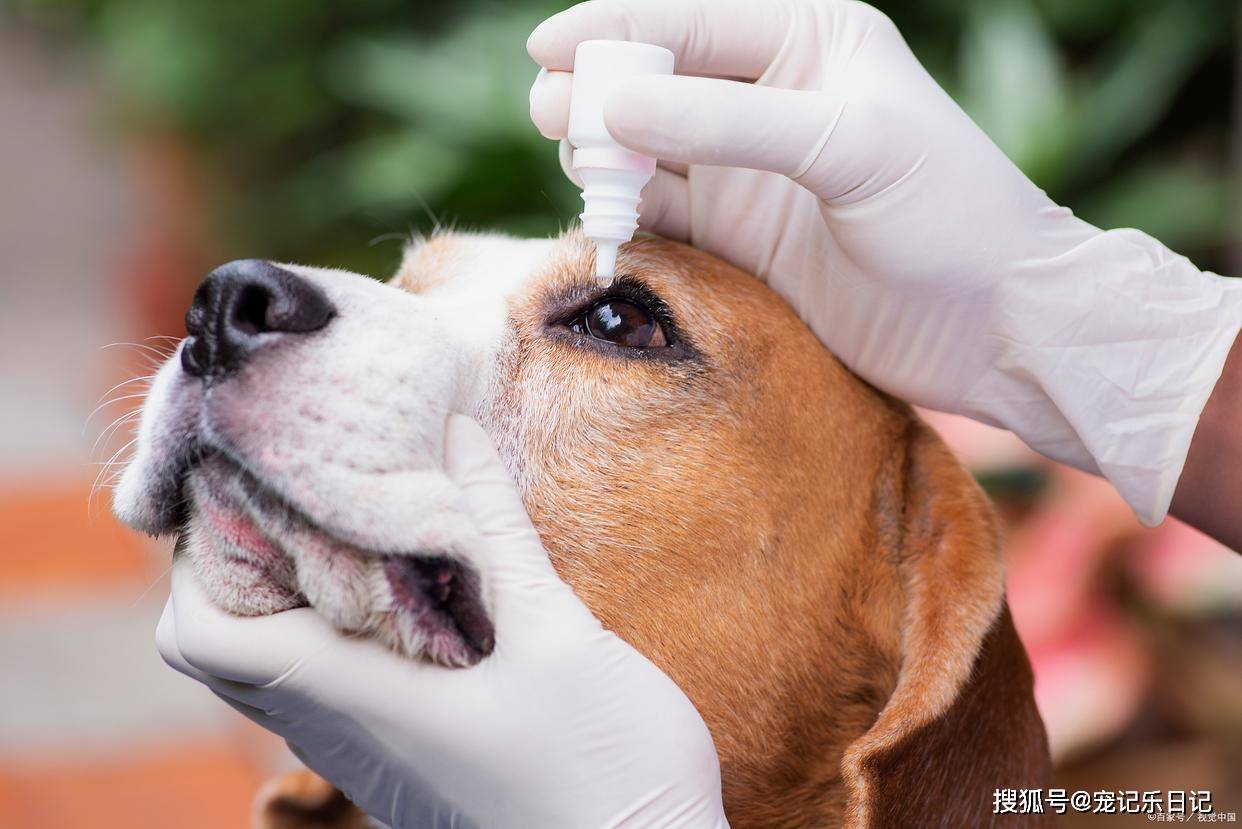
[[425, 604]]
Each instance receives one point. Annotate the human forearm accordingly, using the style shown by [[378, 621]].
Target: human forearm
[[1209, 492]]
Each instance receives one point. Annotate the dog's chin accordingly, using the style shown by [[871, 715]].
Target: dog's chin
[[255, 554]]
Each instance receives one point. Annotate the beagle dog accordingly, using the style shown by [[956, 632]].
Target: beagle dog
[[796, 550]]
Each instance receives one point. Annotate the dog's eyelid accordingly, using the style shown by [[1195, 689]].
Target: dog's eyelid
[[627, 287]]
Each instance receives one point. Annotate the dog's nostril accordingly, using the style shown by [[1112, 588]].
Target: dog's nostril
[[250, 311], [239, 306], [195, 358]]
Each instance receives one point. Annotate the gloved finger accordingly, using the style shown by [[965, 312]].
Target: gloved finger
[[721, 123], [252, 650], [679, 168], [166, 644], [367, 786], [565, 154], [567, 158], [166, 638], [549, 103], [471, 462], [256, 715], [531, 603], [733, 38], [665, 208]]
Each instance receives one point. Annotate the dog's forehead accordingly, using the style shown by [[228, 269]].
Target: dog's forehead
[[492, 265]]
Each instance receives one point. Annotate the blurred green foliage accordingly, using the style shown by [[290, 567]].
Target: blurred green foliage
[[325, 125]]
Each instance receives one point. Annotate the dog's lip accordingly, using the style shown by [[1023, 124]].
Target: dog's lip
[[440, 595]]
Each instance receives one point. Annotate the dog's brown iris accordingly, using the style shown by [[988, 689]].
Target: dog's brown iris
[[622, 322]]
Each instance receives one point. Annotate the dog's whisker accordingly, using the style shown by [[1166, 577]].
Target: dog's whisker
[[387, 237], [106, 463], [431, 214], [101, 440], [152, 357], [141, 346], [123, 383], [128, 417], [118, 452], [150, 585], [146, 364], [111, 402], [149, 362], [90, 500]]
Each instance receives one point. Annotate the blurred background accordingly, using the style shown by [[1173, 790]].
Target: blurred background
[[144, 141]]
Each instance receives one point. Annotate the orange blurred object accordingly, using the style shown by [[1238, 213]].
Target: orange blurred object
[[54, 544], [205, 785]]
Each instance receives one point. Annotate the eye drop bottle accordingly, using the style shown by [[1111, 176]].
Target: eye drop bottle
[[612, 177]]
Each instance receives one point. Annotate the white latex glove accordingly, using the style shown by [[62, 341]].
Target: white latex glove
[[564, 725], [840, 173]]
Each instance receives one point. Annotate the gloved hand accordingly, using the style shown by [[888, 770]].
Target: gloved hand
[[563, 725], [840, 173]]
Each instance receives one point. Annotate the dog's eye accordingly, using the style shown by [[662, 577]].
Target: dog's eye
[[622, 322]]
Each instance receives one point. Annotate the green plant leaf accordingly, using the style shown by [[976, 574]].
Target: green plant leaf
[[1013, 83], [1132, 87], [1184, 204]]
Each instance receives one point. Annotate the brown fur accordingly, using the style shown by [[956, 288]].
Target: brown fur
[[797, 551], [303, 800]]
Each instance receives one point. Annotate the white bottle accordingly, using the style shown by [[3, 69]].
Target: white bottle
[[612, 176]]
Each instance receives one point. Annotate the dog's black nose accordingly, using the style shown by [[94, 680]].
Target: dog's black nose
[[243, 305]]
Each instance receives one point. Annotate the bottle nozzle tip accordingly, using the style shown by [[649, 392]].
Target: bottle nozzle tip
[[605, 262]]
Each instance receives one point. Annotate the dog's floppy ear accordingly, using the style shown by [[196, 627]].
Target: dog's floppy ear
[[304, 800], [961, 721]]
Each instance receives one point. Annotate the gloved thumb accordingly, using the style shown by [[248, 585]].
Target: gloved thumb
[[472, 463], [204, 641]]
